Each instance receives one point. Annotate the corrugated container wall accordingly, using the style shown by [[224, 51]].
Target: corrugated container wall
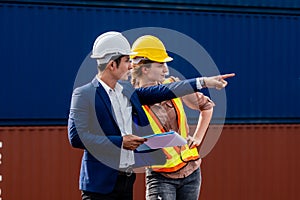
[[44, 43], [175, 3], [251, 3], [249, 162], [43, 46]]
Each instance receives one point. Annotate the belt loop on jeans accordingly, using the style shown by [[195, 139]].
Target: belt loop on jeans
[[128, 171]]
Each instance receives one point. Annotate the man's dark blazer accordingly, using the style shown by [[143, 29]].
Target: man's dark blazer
[[92, 127]]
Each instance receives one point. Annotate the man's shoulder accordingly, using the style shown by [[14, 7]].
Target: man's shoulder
[[126, 85], [85, 88]]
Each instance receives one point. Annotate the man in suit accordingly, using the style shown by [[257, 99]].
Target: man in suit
[[107, 120]]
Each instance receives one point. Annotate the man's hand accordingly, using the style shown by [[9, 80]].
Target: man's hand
[[217, 82], [131, 142]]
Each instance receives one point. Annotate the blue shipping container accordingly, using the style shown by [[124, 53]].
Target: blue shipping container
[[43, 46]]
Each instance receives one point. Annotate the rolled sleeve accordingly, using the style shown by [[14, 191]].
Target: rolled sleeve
[[198, 101]]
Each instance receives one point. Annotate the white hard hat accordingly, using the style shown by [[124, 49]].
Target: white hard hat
[[110, 44]]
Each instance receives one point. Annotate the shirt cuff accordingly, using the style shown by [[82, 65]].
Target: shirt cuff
[[200, 83]]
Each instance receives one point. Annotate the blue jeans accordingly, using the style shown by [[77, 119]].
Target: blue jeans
[[162, 188]]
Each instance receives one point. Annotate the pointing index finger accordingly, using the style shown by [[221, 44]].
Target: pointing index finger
[[227, 75]]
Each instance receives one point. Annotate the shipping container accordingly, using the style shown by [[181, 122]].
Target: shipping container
[[38, 163], [179, 4], [249, 162], [44, 45], [253, 162]]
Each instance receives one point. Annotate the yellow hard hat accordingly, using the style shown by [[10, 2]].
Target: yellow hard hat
[[150, 47]]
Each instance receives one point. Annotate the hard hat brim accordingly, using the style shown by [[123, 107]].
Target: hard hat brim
[[168, 59], [121, 54]]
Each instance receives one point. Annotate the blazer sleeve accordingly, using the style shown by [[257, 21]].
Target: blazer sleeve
[[81, 124], [159, 93]]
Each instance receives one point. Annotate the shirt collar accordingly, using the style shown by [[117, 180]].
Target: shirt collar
[[118, 87]]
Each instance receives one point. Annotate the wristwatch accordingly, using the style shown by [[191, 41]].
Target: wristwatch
[[202, 82]]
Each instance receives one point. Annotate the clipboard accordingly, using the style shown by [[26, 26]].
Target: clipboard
[[161, 140]]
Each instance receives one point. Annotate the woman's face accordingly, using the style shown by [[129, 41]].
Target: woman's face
[[156, 72]]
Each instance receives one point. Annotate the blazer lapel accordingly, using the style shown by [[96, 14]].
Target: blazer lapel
[[102, 96]]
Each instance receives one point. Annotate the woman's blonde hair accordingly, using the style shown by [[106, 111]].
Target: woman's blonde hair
[[136, 71]]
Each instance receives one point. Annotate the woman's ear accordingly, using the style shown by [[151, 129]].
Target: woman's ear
[[145, 70]]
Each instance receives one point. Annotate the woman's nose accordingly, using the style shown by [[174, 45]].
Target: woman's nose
[[165, 68]]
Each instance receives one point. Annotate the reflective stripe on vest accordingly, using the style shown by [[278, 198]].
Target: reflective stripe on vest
[[177, 157]]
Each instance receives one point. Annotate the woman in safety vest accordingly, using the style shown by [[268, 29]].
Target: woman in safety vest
[[180, 177]]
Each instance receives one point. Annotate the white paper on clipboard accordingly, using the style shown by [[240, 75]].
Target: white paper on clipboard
[[161, 140]]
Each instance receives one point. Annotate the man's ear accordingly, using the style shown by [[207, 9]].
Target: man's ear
[[111, 64]]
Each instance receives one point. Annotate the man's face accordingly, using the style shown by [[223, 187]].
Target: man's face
[[123, 70]]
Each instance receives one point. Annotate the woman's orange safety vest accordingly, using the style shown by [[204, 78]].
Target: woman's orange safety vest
[[177, 157]]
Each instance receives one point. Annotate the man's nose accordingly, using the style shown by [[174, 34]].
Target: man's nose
[[130, 66]]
